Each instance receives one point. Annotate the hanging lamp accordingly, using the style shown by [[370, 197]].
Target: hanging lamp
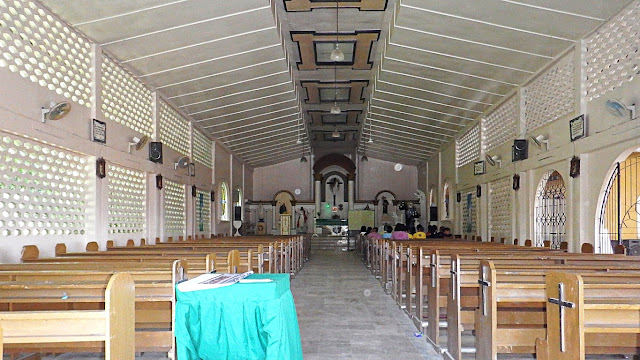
[[337, 54]]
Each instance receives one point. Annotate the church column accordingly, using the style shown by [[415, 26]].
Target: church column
[[351, 179], [318, 183]]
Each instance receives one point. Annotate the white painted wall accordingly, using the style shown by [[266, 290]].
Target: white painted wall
[[20, 104]]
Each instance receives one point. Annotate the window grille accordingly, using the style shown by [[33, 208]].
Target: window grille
[[224, 202], [500, 208], [174, 129], [550, 217], [469, 212], [203, 212], [202, 148], [446, 202], [127, 202], [126, 100], [174, 209], [44, 190], [468, 146], [612, 53], [501, 124], [551, 95], [38, 46]]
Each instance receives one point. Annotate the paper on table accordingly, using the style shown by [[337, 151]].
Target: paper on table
[[211, 281], [249, 281]]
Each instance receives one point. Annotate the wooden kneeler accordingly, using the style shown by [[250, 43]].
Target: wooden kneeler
[[115, 325]]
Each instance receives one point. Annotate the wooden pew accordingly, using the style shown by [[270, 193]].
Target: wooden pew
[[511, 312], [113, 326], [154, 300], [588, 318]]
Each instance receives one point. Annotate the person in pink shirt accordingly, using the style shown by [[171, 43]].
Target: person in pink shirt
[[400, 232], [374, 234]]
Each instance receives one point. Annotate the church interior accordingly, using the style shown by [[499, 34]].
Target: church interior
[[145, 144]]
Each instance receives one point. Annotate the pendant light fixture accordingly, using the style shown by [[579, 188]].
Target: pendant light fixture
[[335, 134], [337, 54], [335, 110]]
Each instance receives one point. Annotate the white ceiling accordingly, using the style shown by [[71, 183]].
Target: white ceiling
[[232, 65]]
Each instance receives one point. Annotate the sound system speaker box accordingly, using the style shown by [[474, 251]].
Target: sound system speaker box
[[237, 213], [155, 152], [433, 213], [520, 150]]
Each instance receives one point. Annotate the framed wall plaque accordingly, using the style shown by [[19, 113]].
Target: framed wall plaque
[[101, 168], [577, 128], [98, 131], [516, 182], [479, 167], [574, 170]]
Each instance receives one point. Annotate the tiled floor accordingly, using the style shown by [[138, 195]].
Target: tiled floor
[[344, 313]]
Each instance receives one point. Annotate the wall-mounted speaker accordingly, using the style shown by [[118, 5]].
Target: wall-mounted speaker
[[520, 149], [433, 213], [155, 152], [458, 197]]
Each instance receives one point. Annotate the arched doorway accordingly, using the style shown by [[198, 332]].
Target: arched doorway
[[619, 217], [550, 217]]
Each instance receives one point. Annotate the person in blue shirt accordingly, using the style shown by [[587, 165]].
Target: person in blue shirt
[[387, 232]]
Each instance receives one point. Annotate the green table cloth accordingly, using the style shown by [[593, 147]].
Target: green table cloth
[[252, 321]]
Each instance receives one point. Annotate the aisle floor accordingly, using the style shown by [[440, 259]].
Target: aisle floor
[[344, 313]]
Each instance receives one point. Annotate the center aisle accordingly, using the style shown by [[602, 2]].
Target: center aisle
[[343, 313]]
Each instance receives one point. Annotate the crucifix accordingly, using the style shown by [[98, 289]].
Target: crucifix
[[454, 274], [562, 304], [334, 186], [432, 266], [483, 289]]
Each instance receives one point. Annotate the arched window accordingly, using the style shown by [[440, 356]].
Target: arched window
[[432, 198], [446, 203], [237, 203], [224, 202], [549, 212]]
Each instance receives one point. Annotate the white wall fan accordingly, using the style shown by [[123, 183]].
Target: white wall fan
[[619, 109], [138, 143], [56, 111], [182, 163]]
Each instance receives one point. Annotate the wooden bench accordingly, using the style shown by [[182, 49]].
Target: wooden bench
[[113, 326], [588, 318], [511, 312]]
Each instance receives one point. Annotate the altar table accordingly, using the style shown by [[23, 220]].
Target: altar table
[[251, 321]]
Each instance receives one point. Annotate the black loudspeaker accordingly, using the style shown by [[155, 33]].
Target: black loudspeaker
[[155, 152], [458, 197], [478, 190], [237, 213], [520, 149], [433, 213]]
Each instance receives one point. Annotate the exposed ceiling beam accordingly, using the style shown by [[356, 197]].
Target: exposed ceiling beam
[[252, 109], [182, 26], [182, 82]]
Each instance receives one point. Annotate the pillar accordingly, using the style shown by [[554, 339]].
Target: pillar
[[318, 194], [352, 180]]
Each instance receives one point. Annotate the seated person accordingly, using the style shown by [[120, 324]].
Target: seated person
[[374, 234], [446, 233], [387, 232], [400, 232], [420, 234], [433, 232]]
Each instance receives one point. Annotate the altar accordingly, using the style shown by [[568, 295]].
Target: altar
[[332, 227]]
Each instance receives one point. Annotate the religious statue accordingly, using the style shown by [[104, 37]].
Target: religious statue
[[410, 216], [385, 205], [334, 186], [283, 209]]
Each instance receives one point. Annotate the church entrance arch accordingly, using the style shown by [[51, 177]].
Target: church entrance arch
[[619, 214]]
